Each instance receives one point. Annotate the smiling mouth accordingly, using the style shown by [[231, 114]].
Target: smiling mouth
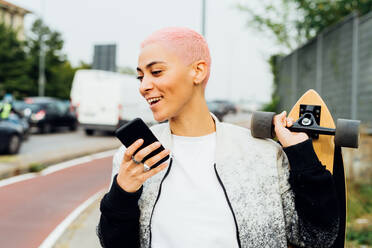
[[153, 101]]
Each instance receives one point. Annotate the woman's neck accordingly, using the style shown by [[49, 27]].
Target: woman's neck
[[193, 121]]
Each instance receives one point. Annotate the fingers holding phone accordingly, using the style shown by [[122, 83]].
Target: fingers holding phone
[[131, 173]]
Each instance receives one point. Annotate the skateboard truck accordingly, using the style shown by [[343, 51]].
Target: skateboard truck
[[309, 122], [346, 132]]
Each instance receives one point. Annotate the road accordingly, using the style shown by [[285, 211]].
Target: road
[[31, 209], [59, 140], [47, 149]]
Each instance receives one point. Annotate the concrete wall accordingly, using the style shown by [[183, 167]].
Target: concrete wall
[[338, 64], [365, 69]]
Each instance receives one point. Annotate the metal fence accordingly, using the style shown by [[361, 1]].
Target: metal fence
[[338, 65]]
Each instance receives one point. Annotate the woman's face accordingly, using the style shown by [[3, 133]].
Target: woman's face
[[165, 81]]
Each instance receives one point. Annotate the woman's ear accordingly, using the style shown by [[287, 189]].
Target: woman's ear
[[199, 71]]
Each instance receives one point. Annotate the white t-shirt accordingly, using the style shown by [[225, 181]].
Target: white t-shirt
[[192, 210]]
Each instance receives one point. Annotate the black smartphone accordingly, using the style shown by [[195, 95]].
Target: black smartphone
[[137, 129]]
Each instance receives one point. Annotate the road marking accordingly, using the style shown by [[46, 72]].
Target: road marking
[[86, 159], [57, 167], [60, 229], [16, 179], [64, 165]]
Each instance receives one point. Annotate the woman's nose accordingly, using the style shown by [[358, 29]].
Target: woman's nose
[[146, 84]]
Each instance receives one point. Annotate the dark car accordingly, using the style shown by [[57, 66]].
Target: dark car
[[227, 106], [48, 114], [22, 107], [10, 136], [216, 109], [22, 115]]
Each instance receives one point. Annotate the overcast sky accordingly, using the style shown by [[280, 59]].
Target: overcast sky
[[239, 54]]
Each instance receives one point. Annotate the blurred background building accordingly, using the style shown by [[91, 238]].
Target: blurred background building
[[13, 16]]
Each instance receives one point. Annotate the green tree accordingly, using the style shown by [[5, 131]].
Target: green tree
[[273, 105], [13, 64], [293, 22], [58, 71]]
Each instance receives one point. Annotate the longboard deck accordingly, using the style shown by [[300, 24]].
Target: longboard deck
[[324, 146], [329, 155]]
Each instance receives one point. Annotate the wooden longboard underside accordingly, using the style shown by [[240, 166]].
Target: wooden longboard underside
[[324, 146], [325, 149]]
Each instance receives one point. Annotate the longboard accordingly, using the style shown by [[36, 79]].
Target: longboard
[[329, 155], [311, 115]]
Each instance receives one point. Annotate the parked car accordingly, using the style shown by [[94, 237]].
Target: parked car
[[227, 106], [22, 115], [71, 108], [216, 109], [49, 113], [22, 107], [10, 136]]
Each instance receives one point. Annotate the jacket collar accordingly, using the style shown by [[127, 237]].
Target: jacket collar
[[166, 137]]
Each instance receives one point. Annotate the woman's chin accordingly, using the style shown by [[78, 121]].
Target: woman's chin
[[159, 117]]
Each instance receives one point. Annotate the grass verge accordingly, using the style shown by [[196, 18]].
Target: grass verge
[[359, 215], [36, 167]]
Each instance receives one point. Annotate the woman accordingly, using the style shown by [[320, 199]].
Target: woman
[[221, 187]]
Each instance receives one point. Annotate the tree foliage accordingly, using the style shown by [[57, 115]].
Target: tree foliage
[[290, 23], [19, 63], [13, 63], [293, 22], [58, 71], [273, 105]]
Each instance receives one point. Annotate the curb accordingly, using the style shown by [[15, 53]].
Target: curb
[[57, 233], [22, 164]]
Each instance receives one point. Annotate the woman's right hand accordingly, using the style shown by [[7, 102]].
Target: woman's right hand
[[131, 176]]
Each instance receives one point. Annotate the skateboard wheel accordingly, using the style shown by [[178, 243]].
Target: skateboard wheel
[[262, 124], [347, 133]]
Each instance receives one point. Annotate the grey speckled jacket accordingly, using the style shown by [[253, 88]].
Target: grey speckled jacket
[[254, 174]]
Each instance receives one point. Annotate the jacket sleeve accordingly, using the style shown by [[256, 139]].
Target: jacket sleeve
[[119, 221], [308, 197]]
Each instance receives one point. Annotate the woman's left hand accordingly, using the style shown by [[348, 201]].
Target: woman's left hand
[[286, 137]]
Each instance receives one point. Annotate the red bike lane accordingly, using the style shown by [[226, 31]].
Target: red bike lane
[[31, 209]]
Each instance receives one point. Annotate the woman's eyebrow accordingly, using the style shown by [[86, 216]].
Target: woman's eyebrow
[[151, 64]]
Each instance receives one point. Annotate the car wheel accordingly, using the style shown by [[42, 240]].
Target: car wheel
[[46, 128], [26, 135], [89, 132], [14, 144], [74, 126]]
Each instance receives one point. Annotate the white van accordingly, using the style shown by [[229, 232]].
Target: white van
[[105, 100]]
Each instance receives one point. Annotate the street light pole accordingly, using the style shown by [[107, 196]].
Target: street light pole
[[42, 57], [204, 3], [42, 67]]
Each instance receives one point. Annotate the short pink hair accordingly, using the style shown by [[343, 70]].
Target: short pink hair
[[189, 45]]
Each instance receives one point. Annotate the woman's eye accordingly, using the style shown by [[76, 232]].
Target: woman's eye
[[139, 78], [156, 72]]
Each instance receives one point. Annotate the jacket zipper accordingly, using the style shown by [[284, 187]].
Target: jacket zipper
[[229, 203], [157, 198]]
